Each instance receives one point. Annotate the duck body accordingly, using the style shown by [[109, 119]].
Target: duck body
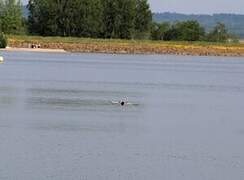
[[124, 103], [121, 103]]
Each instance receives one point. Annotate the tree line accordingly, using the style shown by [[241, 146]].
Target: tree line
[[190, 30], [120, 19], [123, 19], [234, 22]]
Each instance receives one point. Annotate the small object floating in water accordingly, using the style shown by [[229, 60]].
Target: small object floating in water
[[124, 103], [1, 59]]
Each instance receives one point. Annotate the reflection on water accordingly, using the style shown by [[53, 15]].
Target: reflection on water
[[68, 100], [57, 120], [75, 99]]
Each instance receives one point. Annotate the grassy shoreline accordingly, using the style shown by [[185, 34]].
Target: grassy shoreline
[[86, 45]]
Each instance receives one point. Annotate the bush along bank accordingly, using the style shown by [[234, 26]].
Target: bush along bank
[[3, 41]]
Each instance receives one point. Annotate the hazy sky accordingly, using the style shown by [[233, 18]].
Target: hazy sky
[[196, 6]]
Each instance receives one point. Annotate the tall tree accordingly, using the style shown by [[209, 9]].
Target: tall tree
[[89, 18], [65, 17], [11, 16], [189, 31], [143, 18], [118, 18], [160, 30], [219, 33], [40, 17], [110, 8], [124, 24]]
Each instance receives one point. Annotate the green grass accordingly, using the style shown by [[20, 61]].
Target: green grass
[[41, 39]]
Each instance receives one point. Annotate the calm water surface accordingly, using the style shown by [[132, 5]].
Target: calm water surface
[[57, 121]]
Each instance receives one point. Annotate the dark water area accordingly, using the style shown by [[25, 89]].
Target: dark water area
[[58, 122]]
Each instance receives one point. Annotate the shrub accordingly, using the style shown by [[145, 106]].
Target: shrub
[[218, 34], [3, 41]]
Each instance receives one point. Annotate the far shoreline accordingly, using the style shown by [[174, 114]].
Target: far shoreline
[[111, 46]]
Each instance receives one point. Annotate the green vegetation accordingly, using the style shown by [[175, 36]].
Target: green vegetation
[[233, 22], [118, 18], [218, 34], [65, 18], [189, 31], [102, 19], [92, 18], [89, 45], [3, 40], [11, 19], [143, 20], [77, 40]]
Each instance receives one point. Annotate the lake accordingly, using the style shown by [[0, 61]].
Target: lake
[[57, 121]]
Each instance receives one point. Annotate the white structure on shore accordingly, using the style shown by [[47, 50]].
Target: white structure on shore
[[1, 59]]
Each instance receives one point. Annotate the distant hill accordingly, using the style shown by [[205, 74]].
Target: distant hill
[[234, 22]]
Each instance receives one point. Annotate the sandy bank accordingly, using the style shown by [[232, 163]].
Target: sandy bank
[[33, 50], [59, 44]]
